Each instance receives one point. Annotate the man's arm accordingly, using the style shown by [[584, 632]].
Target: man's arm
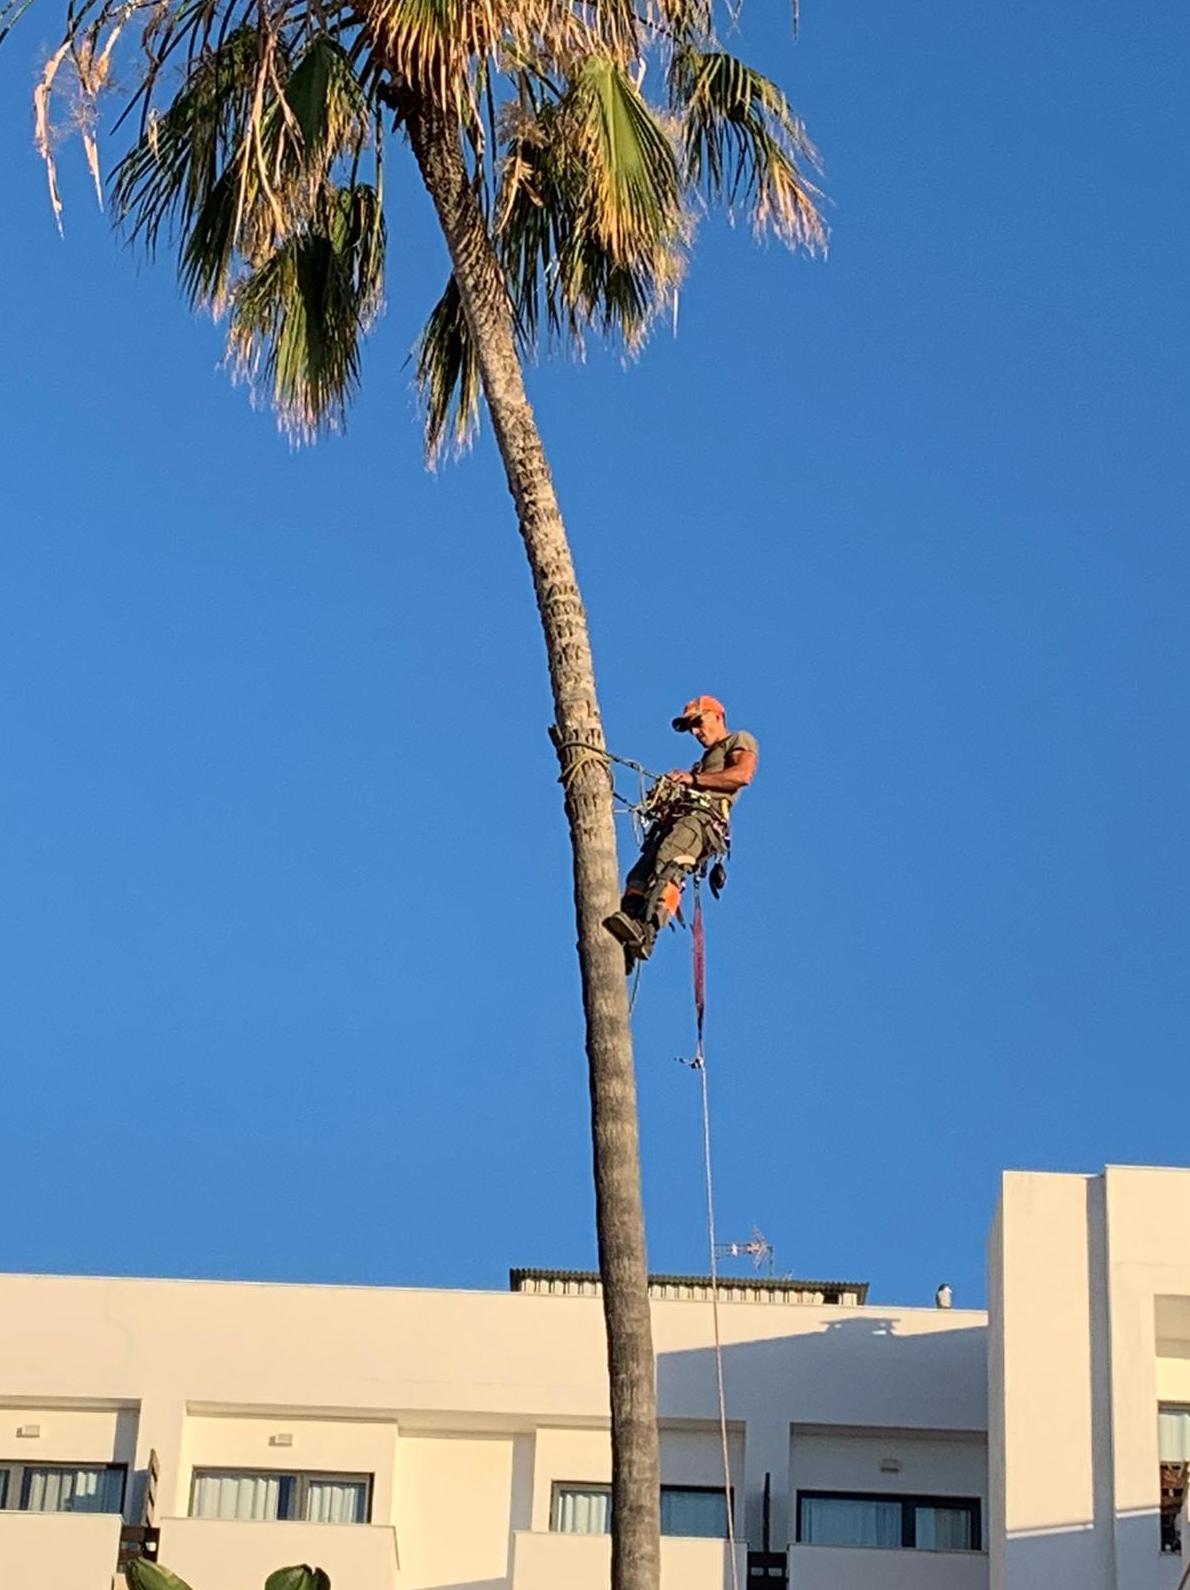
[[740, 770]]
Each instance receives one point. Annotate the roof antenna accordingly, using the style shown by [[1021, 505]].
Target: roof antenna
[[758, 1248]]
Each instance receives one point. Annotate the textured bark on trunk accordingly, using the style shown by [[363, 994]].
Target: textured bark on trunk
[[636, 1547]]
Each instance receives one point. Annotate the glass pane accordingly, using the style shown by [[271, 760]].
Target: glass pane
[[3, 1487], [336, 1501], [943, 1528], [850, 1521], [250, 1496], [1173, 1435], [59, 1490], [690, 1512], [582, 1509]]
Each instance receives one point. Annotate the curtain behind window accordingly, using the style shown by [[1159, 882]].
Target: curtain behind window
[[1173, 1434], [251, 1496], [689, 1512], [336, 1501], [94, 1490], [848, 1521], [580, 1510], [943, 1529]]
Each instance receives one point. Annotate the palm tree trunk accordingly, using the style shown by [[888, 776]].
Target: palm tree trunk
[[636, 1549]]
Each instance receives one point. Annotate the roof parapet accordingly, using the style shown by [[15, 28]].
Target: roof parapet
[[697, 1288]]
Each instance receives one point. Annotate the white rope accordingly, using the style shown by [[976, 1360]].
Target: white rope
[[700, 1065]]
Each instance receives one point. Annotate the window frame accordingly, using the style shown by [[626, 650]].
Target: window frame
[[15, 1472], [603, 1487], [909, 1502], [299, 1491], [594, 1487]]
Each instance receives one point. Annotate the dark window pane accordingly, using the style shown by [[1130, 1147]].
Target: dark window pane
[[685, 1511], [66, 1490]]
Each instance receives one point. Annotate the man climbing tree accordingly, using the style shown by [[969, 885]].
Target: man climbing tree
[[690, 826], [565, 180]]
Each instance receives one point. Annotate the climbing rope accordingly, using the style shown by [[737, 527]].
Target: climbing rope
[[643, 810], [699, 1064]]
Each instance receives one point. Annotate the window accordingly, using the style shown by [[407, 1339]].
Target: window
[[922, 1523], [63, 1487], [264, 1496], [694, 1510], [1173, 1447], [581, 1510], [685, 1510]]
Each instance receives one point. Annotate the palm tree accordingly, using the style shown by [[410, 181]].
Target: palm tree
[[567, 198]]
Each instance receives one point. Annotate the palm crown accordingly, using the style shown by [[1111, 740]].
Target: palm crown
[[260, 130]]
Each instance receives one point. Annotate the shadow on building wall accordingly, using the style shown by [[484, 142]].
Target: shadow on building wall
[[865, 1372], [1086, 1558]]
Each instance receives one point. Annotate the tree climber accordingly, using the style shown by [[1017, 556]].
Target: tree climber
[[690, 826]]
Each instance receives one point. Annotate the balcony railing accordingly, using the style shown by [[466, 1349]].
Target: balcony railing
[[239, 1555], [583, 1562]]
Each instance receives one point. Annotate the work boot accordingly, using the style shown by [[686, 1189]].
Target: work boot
[[629, 932]]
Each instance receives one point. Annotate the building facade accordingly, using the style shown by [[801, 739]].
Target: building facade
[[441, 1440]]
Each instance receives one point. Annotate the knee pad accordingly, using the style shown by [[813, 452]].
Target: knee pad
[[666, 893]]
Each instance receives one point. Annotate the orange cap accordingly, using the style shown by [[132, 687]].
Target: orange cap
[[695, 709]]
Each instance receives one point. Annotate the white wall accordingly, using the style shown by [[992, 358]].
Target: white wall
[[842, 1568], [69, 1434], [61, 1551], [244, 1440], [1079, 1268], [1042, 1341], [930, 1465], [483, 1396], [223, 1554], [460, 1499], [583, 1562]]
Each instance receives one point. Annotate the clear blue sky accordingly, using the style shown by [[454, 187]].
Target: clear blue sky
[[289, 988]]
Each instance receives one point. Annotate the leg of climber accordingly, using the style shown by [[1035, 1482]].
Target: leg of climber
[[629, 923], [654, 886]]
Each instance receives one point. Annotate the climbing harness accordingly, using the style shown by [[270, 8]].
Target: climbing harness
[[699, 1063], [659, 804], [654, 804]]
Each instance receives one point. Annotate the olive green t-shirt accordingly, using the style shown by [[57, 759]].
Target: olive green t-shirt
[[714, 759]]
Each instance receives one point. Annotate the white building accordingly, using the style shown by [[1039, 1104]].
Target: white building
[[433, 1440]]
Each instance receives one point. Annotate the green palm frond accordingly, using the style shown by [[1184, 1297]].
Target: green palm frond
[[448, 375], [633, 198], [297, 320], [170, 173], [208, 253], [590, 220], [328, 104], [743, 141]]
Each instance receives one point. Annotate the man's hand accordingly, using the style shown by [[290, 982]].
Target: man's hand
[[680, 776]]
